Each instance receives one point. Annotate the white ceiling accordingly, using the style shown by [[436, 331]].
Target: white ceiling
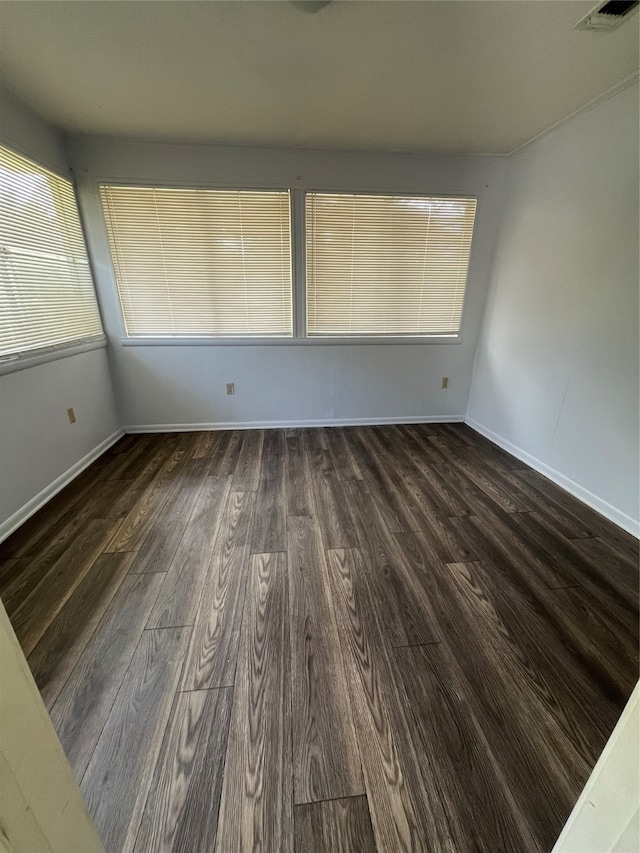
[[479, 76]]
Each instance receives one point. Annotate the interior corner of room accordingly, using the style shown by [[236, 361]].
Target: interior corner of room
[[542, 360], [547, 365]]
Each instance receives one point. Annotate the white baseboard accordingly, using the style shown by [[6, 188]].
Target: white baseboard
[[603, 507], [411, 419], [14, 521]]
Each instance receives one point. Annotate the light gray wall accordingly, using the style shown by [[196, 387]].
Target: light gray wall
[[556, 377], [173, 386], [38, 446]]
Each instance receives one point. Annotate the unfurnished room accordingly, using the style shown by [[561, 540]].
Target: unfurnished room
[[319, 426]]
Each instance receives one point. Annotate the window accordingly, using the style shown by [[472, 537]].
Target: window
[[381, 265], [47, 298], [201, 262]]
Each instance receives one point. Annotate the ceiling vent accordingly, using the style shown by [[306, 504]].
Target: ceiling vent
[[608, 16]]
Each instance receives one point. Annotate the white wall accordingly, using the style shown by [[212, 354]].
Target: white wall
[[556, 376], [605, 818], [38, 446], [172, 386]]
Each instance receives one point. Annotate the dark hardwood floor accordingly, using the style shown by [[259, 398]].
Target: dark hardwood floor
[[383, 639]]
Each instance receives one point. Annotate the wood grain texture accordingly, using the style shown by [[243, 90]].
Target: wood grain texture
[[331, 509], [247, 470], [511, 630], [212, 656], [412, 506], [522, 734], [395, 814], [181, 811], [50, 522], [608, 558], [393, 596], [326, 760], [592, 520], [571, 561], [38, 610], [455, 758], [126, 464], [84, 702], [443, 634], [256, 808], [179, 597], [150, 465], [299, 488], [381, 482], [420, 435], [159, 547], [606, 638], [492, 483], [491, 536], [342, 457], [9, 568], [118, 777], [336, 826], [224, 456], [445, 499], [207, 444], [27, 572], [269, 532], [140, 520], [57, 652], [70, 527]]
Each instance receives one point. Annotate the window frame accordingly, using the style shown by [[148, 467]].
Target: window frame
[[13, 362], [298, 268]]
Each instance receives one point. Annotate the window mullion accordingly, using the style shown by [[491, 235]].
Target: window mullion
[[298, 242]]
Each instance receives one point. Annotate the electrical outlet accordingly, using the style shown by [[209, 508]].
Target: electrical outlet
[[71, 415], [445, 381], [231, 388]]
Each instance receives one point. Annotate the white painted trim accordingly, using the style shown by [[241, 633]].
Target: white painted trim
[[600, 805], [313, 341], [598, 504], [604, 96], [13, 363], [20, 516], [333, 422]]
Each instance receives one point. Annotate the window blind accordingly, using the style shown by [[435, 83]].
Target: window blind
[[200, 262], [386, 265], [47, 298]]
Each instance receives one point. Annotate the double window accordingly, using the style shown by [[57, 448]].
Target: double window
[[47, 298], [204, 263]]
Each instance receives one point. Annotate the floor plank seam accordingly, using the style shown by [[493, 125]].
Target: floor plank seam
[[427, 628]]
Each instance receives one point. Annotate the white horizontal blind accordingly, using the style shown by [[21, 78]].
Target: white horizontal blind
[[386, 265], [200, 262], [47, 298]]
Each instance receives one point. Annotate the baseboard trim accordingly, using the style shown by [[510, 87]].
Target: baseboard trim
[[14, 521], [603, 507], [333, 422]]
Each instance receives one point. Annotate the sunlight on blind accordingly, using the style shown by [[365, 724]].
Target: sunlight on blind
[[199, 262], [386, 265], [47, 298]]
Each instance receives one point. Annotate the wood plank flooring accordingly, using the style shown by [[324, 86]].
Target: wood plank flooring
[[371, 639]]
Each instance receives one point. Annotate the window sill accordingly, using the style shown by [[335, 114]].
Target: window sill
[[313, 342], [11, 364]]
